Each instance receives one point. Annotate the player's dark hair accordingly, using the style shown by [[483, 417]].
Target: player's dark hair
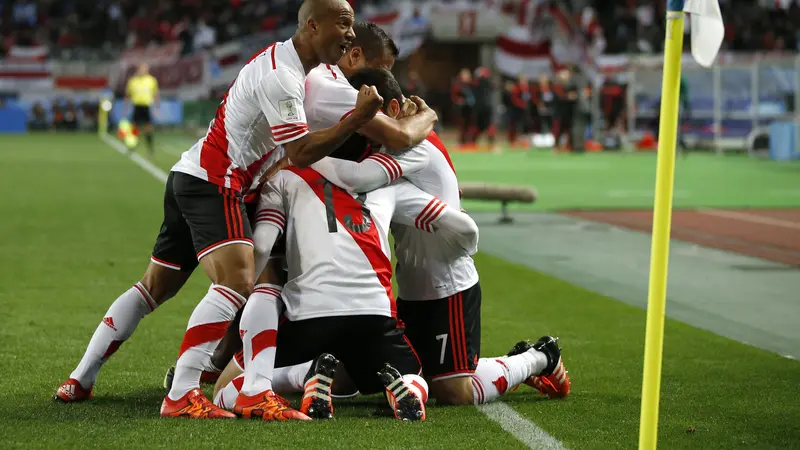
[[382, 79], [353, 149], [374, 42]]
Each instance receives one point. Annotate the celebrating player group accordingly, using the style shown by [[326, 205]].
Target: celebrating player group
[[313, 158]]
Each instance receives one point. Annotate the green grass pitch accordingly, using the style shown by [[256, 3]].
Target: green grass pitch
[[77, 223]]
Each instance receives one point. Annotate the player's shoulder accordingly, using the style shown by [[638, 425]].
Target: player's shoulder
[[328, 76]]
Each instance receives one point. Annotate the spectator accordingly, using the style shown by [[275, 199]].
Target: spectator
[[519, 106], [566, 108], [38, 120], [463, 99]]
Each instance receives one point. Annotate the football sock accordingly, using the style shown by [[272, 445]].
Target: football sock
[[149, 138], [259, 330], [494, 376], [287, 380], [226, 397], [207, 326], [117, 326]]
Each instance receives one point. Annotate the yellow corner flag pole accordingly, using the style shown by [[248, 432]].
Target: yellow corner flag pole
[[662, 217]]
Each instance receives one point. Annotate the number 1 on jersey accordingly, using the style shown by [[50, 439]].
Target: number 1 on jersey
[[330, 211]]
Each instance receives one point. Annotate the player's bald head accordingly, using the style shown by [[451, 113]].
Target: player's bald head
[[319, 9]]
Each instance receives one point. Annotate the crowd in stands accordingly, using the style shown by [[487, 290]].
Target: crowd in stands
[[614, 26], [637, 26], [118, 24]]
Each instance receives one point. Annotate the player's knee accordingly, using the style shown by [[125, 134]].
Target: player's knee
[[162, 283], [452, 391], [241, 281]]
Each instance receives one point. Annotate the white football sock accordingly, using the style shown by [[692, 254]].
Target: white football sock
[[226, 396], [287, 380], [494, 376], [207, 326], [259, 331], [117, 326]]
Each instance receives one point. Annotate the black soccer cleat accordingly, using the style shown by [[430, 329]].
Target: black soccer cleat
[[168, 378], [318, 384], [547, 345], [405, 403]]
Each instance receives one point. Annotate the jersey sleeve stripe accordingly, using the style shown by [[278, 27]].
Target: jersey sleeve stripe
[[268, 290], [386, 163], [285, 138], [273, 215], [286, 131], [430, 212], [398, 168], [424, 212], [274, 64], [435, 215], [287, 125]]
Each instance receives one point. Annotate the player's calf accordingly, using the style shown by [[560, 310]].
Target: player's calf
[[453, 391]]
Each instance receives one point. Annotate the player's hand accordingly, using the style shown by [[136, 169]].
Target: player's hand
[[282, 163], [423, 107], [368, 103], [409, 108]]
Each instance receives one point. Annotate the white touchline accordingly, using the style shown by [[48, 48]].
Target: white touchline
[[521, 428], [747, 217], [509, 420], [149, 167]]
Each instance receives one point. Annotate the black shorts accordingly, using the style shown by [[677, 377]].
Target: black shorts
[[141, 115], [446, 333], [362, 343], [199, 217]]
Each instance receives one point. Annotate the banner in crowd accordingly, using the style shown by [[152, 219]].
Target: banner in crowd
[[408, 26], [467, 22], [25, 68], [183, 76], [542, 37]]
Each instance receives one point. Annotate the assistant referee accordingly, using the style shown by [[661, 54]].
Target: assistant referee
[[142, 91]]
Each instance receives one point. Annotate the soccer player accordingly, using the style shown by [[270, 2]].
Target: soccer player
[[329, 98], [142, 92], [440, 294], [203, 208], [339, 295]]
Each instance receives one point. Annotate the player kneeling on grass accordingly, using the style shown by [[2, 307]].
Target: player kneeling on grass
[[339, 297], [440, 293]]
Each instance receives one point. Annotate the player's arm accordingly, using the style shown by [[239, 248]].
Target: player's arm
[[379, 169], [421, 210], [281, 97], [402, 133], [270, 221]]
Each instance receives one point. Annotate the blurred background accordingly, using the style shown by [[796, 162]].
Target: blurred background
[[579, 75]]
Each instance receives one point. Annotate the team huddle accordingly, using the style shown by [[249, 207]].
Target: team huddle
[[313, 158]]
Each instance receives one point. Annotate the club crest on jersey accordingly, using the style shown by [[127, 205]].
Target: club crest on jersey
[[289, 110]]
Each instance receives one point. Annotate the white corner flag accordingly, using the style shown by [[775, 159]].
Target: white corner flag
[[707, 29]]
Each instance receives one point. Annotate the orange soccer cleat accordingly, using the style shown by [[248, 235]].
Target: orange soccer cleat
[[72, 391], [266, 405], [193, 405]]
